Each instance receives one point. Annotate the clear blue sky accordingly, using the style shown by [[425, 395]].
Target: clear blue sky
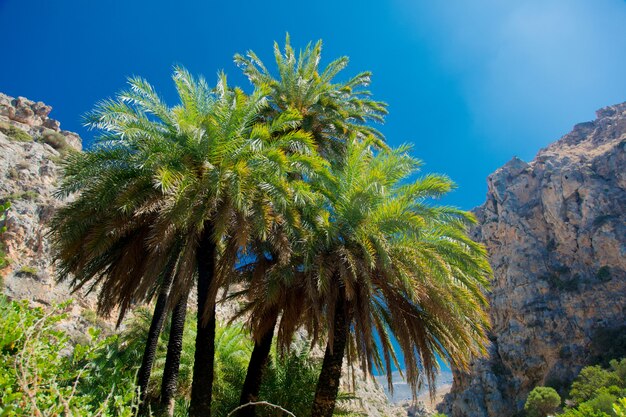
[[471, 83]]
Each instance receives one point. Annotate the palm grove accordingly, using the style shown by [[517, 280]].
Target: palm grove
[[286, 199]]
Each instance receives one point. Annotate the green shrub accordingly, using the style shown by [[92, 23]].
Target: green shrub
[[90, 316], [541, 402], [39, 377], [589, 382], [619, 408], [28, 271], [583, 410], [14, 133], [604, 399], [55, 139], [290, 381]]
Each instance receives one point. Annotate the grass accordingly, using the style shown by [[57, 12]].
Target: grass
[[14, 133], [29, 195], [55, 140], [28, 270]]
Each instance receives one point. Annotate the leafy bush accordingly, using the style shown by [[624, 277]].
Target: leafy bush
[[541, 402], [604, 399], [589, 381], [14, 133], [595, 391], [290, 382], [42, 374], [583, 410]]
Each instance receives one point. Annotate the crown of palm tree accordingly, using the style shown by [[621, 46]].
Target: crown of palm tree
[[333, 112], [406, 268]]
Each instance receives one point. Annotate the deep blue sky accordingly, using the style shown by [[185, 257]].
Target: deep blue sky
[[471, 83]]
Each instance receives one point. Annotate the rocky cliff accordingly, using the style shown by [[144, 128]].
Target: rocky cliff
[[31, 144], [555, 229]]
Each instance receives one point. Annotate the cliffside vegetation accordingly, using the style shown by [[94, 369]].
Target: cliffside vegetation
[[596, 392]]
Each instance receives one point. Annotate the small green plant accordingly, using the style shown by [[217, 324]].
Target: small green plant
[[542, 401], [90, 316], [619, 408], [14, 133], [590, 381], [28, 271]]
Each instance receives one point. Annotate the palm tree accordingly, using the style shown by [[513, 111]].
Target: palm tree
[[385, 262], [177, 181], [333, 113], [331, 110]]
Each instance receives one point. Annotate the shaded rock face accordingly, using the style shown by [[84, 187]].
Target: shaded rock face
[[555, 229]]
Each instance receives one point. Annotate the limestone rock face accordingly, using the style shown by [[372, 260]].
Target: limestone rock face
[[29, 176], [555, 229]]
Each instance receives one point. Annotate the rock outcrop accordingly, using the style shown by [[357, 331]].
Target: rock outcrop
[[555, 229], [31, 145]]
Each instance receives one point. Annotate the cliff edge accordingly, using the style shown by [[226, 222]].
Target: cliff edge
[[555, 229]]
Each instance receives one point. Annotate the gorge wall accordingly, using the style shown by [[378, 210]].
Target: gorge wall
[[555, 229]]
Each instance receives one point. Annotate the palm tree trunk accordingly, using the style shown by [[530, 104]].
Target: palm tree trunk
[[256, 367], [328, 382], [172, 360], [202, 383], [158, 317]]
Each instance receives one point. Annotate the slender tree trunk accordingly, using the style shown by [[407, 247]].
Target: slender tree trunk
[[158, 317], [256, 368], [202, 383], [172, 360], [328, 382]]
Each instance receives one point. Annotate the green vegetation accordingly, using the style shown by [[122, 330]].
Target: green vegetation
[[291, 193], [14, 133], [596, 392], [542, 402], [29, 195], [98, 376], [39, 377], [28, 270]]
